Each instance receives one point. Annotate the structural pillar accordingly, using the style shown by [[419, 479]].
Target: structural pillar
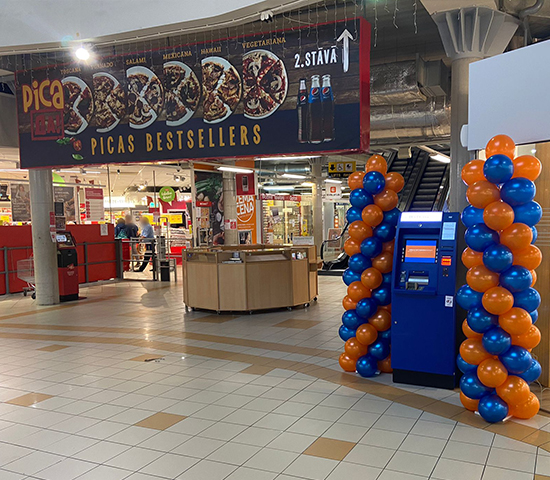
[[230, 207], [317, 191], [44, 249], [468, 34]]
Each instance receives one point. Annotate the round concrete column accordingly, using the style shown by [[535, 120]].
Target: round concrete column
[[230, 207], [44, 249]]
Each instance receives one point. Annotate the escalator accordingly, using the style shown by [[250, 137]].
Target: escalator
[[426, 188]]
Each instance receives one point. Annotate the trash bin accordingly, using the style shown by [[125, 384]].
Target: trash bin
[[164, 271]]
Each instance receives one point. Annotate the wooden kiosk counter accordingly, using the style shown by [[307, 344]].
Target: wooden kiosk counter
[[248, 278]]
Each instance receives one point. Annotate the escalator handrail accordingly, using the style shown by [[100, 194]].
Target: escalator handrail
[[333, 240]]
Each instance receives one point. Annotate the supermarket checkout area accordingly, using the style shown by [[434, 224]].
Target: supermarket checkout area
[[249, 277]]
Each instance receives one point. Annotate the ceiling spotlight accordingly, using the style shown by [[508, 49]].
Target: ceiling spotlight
[[176, 178], [82, 54]]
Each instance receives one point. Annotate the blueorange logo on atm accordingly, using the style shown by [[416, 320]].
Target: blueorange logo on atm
[[45, 103]]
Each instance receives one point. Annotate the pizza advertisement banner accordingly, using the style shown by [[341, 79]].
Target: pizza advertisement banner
[[296, 91]]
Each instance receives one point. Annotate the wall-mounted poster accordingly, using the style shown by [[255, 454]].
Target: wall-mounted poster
[[246, 219], [209, 203], [301, 90], [20, 202], [66, 196]]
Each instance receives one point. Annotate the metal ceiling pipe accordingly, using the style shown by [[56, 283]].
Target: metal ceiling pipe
[[280, 168], [524, 16], [435, 114]]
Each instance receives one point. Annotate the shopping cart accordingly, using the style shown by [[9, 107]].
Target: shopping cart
[[25, 272]]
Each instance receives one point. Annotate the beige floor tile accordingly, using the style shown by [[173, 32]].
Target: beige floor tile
[[160, 421], [300, 324], [29, 399], [329, 448], [257, 370], [215, 318]]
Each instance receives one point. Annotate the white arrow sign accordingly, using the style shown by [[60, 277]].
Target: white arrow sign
[[345, 37]]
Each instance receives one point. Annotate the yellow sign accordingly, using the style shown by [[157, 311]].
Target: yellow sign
[[341, 169], [175, 218]]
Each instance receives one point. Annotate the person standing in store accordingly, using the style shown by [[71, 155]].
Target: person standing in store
[[130, 227], [148, 237], [120, 227]]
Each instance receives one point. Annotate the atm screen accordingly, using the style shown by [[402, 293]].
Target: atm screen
[[421, 251]]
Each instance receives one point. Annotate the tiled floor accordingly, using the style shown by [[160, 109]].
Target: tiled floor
[[127, 385]]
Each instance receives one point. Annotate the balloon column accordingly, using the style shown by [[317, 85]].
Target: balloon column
[[372, 220], [499, 296]]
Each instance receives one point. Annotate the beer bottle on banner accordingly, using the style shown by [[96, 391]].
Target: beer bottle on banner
[[315, 112], [301, 108], [327, 100]]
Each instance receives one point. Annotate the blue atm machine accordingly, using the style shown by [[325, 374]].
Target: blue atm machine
[[425, 327]]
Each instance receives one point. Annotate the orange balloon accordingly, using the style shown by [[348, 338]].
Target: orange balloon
[[470, 258], [472, 351], [482, 193], [514, 390], [529, 339], [515, 321], [355, 349], [527, 409], [385, 365], [347, 363], [492, 373], [388, 246], [472, 172], [377, 163], [497, 300], [355, 180], [395, 182], [357, 291], [381, 320], [351, 246], [517, 236], [372, 215], [366, 334], [500, 144], [527, 166], [387, 200], [371, 278], [348, 303], [383, 262], [469, 332], [469, 403], [385, 307], [530, 257], [498, 215], [534, 275], [481, 279], [359, 230]]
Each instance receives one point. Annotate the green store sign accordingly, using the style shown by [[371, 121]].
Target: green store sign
[[167, 194]]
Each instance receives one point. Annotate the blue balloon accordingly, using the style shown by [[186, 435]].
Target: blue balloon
[[382, 295], [479, 237], [386, 279], [516, 278], [518, 191], [471, 215], [498, 169], [366, 366], [349, 276], [360, 198], [492, 408], [516, 359], [384, 232], [366, 308], [371, 247], [353, 214], [528, 299], [464, 366], [529, 213], [534, 316], [351, 320], [472, 387], [374, 182], [498, 258], [345, 333], [496, 341], [532, 373], [535, 234], [468, 298], [385, 335], [380, 349], [480, 320], [359, 263], [392, 217]]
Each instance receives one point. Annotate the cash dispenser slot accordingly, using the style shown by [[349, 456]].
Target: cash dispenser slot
[[417, 281]]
